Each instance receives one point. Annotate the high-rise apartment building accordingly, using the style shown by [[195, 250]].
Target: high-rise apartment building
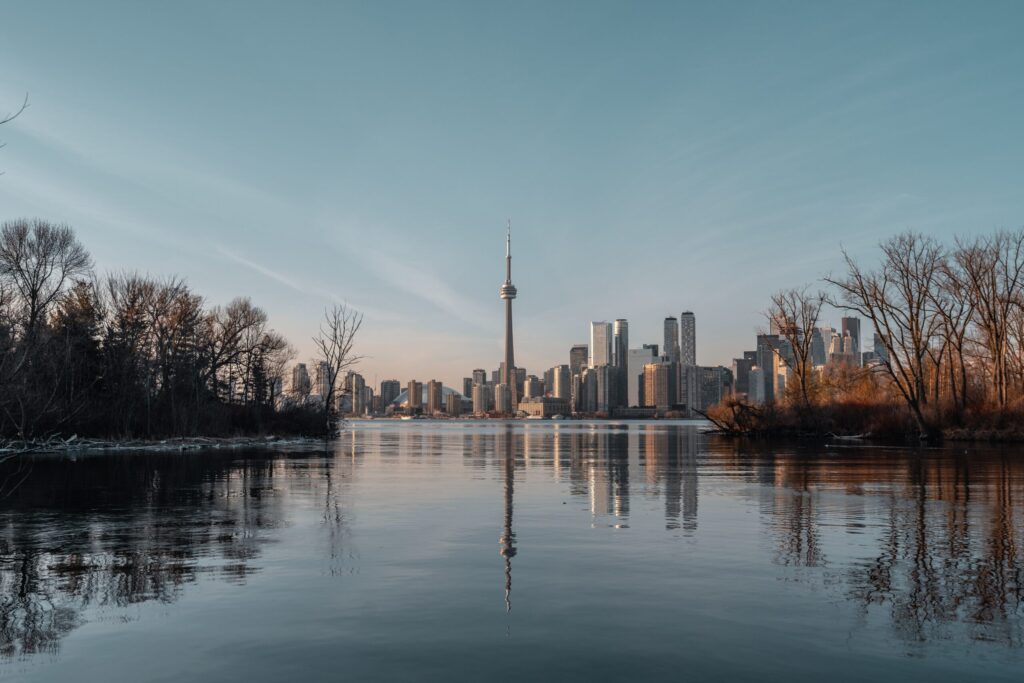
[[503, 399], [389, 391], [435, 397], [656, 389], [453, 405], [479, 376], [689, 388], [300, 379], [620, 342], [670, 347], [600, 344], [483, 398], [687, 339], [355, 387], [414, 396], [324, 380]]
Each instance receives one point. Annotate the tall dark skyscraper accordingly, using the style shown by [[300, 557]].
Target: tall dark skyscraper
[[851, 326], [687, 339], [508, 292], [671, 346], [578, 358]]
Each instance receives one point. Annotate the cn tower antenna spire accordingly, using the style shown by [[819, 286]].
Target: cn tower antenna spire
[[508, 252]]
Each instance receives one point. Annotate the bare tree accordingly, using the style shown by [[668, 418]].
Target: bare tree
[[794, 314], [897, 299], [335, 344], [40, 260], [954, 302], [993, 270]]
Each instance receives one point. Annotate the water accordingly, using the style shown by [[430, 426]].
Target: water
[[527, 551]]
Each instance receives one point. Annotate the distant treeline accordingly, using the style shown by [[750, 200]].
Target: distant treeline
[[950, 322], [128, 355]]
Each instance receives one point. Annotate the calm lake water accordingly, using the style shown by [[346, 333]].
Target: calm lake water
[[524, 551]]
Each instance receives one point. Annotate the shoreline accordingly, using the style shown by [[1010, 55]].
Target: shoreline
[[178, 444]]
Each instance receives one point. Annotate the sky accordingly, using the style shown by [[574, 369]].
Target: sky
[[652, 157]]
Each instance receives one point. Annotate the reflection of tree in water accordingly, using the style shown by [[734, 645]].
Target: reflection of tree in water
[[945, 557], [794, 517], [117, 530], [949, 554]]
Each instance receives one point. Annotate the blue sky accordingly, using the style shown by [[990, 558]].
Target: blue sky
[[653, 157]]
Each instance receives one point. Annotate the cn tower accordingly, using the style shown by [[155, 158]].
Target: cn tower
[[508, 292]]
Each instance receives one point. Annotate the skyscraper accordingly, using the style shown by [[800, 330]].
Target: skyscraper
[[503, 399], [851, 327], [389, 391], [435, 399], [508, 292], [533, 387], [671, 346], [483, 398], [600, 344], [324, 381], [414, 396], [620, 342], [687, 339], [768, 362], [881, 353], [563, 382], [300, 379], [578, 357], [656, 389], [635, 362], [818, 349], [741, 375]]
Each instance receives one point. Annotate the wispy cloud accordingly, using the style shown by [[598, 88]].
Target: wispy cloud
[[313, 291], [263, 270], [415, 278]]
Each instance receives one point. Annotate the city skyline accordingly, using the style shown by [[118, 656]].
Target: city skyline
[[675, 172]]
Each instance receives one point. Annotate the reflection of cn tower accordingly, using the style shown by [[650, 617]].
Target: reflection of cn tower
[[508, 537]]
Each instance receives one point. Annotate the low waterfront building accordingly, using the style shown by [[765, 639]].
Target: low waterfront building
[[545, 406]]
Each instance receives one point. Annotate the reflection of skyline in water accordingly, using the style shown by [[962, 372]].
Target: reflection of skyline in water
[[928, 540]]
